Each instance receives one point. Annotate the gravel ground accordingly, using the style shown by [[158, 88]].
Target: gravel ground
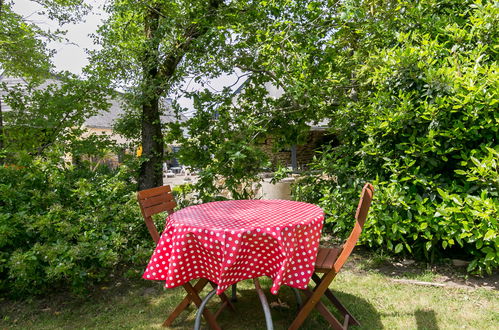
[[178, 180]]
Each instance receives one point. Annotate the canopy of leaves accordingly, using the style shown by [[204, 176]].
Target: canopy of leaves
[[22, 51], [23, 44], [44, 111]]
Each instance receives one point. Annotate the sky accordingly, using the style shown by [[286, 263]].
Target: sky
[[71, 56]]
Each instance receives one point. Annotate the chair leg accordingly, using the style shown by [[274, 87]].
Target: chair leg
[[312, 300], [210, 319], [225, 300], [234, 293], [339, 306], [185, 302], [299, 302], [335, 324]]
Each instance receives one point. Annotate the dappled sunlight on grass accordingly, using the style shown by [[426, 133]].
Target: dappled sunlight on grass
[[373, 298]]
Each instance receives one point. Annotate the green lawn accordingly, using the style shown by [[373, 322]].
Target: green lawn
[[374, 298]]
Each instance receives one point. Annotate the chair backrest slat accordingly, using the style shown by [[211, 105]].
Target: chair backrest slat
[[360, 218], [148, 193], [153, 201], [155, 209], [156, 200]]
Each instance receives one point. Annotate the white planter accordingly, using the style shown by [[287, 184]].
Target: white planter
[[278, 190]]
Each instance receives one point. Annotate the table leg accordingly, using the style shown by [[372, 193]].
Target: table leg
[[225, 300], [210, 319], [261, 295], [299, 302], [197, 323], [234, 293], [265, 304], [183, 305]]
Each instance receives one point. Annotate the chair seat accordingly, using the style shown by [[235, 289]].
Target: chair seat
[[326, 258]]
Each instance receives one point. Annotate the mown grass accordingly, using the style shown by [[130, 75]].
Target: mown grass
[[376, 301]]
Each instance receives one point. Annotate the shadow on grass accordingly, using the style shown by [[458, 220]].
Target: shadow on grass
[[249, 313], [361, 309], [426, 319]]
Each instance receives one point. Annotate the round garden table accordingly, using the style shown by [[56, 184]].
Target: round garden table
[[230, 241]]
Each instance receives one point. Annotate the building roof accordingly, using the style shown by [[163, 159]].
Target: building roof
[[103, 120]]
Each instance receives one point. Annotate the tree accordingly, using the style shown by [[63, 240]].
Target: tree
[[410, 94], [143, 48], [299, 47], [422, 126], [21, 52], [151, 47]]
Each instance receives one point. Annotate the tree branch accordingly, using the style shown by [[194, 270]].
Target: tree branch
[[191, 33]]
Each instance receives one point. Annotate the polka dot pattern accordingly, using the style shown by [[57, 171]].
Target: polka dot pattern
[[229, 241]]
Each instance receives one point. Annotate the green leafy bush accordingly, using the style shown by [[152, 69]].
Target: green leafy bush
[[425, 132], [62, 225], [426, 220]]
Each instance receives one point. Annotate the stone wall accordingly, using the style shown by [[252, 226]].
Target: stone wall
[[304, 152], [282, 157]]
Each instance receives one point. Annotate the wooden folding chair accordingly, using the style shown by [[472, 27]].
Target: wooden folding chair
[[329, 262], [160, 199]]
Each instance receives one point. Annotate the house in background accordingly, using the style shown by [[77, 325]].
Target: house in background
[[100, 124]]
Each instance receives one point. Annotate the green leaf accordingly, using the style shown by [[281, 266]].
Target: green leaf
[[472, 265], [479, 244], [408, 248], [398, 248], [489, 234], [490, 256], [442, 193]]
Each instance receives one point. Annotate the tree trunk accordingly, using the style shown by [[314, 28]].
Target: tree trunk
[[155, 73], [1, 116], [151, 169], [1, 130]]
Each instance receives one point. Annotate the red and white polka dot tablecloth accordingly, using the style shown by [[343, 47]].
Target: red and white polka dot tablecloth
[[229, 241]]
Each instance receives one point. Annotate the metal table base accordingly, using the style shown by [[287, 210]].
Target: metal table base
[[261, 295]]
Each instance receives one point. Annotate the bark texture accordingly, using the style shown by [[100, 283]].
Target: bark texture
[[151, 171]]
